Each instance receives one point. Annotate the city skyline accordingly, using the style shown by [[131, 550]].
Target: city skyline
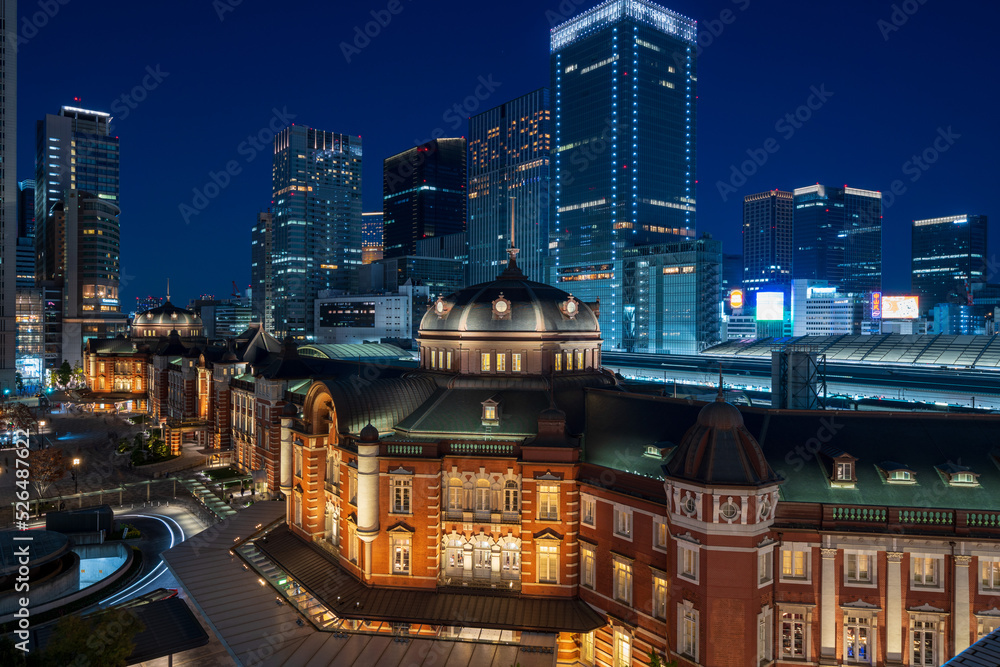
[[509, 60]]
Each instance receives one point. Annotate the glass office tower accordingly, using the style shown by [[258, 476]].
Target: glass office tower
[[8, 193], [423, 195], [767, 239], [624, 86], [837, 234], [262, 270], [509, 148], [949, 257], [316, 222]]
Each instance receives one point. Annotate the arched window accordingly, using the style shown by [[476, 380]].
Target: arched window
[[483, 495], [454, 558], [481, 561], [510, 497]]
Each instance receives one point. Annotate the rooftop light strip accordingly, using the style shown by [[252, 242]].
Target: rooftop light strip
[[613, 11]]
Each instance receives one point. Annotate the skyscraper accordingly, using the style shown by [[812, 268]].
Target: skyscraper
[[624, 81], [509, 149], [77, 230], [371, 237], [261, 271], [8, 191], [837, 236], [316, 236], [26, 234], [423, 195], [949, 257], [767, 239]]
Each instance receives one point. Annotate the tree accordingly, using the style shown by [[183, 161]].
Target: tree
[[17, 416], [105, 638], [46, 466], [19, 382], [64, 373], [78, 377]]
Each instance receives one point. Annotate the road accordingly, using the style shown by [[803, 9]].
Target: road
[[161, 532]]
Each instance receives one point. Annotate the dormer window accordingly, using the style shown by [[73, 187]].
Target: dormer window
[[963, 478], [956, 475], [898, 473], [842, 468], [491, 411], [845, 472]]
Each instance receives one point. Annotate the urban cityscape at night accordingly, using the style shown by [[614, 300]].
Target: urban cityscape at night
[[621, 333]]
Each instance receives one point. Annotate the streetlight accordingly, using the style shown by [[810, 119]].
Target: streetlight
[[76, 484]]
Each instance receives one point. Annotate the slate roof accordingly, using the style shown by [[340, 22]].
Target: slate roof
[[984, 653], [356, 352], [620, 426], [322, 576]]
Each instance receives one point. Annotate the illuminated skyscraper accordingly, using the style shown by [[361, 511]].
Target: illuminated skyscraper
[[949, 257], [316, 237], [509, 148], [423, 195], [371, 237], [767, 239], [624, 81], [8, 192]]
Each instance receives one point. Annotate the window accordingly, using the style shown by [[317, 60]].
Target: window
[[765, 567], [434, 358], [510, 561], [558, 361], [845, 472], [482, 495], [858, 638], [511, 497], [622, 581], [587, 648], [623, 648], [501, 363], [454, 558], [297, 501], [900, 476], [447, 362], [687, 562], [989, 580], [589, 516], [400, 555], [352, 543], [481, 560], [925, 570], [548, 502], [687, 635], [985, 625], [352, 486], [623, 521], [569, 361], [455, 495], [963, 478], [794, 563], [579, 360], [923, 643], [548, 564], [401, 487], [659, 532], [659, 596], [298, 462], [485, 361], [793, 636], [765, 619], [515, 363], [859, 568], [587, 556]]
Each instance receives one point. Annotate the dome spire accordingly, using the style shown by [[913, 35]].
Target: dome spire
[[720, 397], [513, 271], [168, 290]]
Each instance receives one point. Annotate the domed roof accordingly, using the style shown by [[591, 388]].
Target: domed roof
[[719, 449], [168, 315], [510, 303], [369, 433]]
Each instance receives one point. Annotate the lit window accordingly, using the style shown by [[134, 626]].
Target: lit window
[[589, 517], [548, 502], [579, 360], [858, 637], [400, 555], [548, 564], [925, 570], [659, 532], [569, 361], [434, 358], [659, 597], [924, 643], [794, 564], [587, 648], [448, 360], [501, 363], [455, 495], [588, 575], [484, 361], [623, 581], [558, 361], [793, 636], [623, 521], [687, 640], [963, 478], [900, 476], [764, 635], [985, 625], [858, 568], [515, 364], [489, 412], [482, 495], [511, 497], [401, 487], [623, 648], [845, 472], [989, 579]]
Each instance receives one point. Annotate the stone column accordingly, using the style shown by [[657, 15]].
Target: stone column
[[962, 610], [894, 609], [368, 492], [828, 611]]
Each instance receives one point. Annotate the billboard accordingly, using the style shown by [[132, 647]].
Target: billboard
[[876, 303], [770, 306], [900, 307], [736, 298]]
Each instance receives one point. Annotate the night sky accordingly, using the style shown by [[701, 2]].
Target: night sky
[[221, 80]]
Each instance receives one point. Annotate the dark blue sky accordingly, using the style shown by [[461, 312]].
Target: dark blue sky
[[224, 79]]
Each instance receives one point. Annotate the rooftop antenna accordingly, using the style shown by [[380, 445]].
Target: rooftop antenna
[[168, 289], [720, 398]]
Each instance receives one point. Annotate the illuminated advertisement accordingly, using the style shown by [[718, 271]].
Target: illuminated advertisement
[[736, 298], [876, 305], [900, 307], [770, 306]]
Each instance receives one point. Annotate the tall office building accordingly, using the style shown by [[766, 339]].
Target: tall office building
[[423, 195], [767, 239], [837, 237], [624, 82], [949, 257], [8, 192], [732, 272], [26, 234], [509, 148], [371, 237], [316, 237], [77, 233], [261, 271]]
